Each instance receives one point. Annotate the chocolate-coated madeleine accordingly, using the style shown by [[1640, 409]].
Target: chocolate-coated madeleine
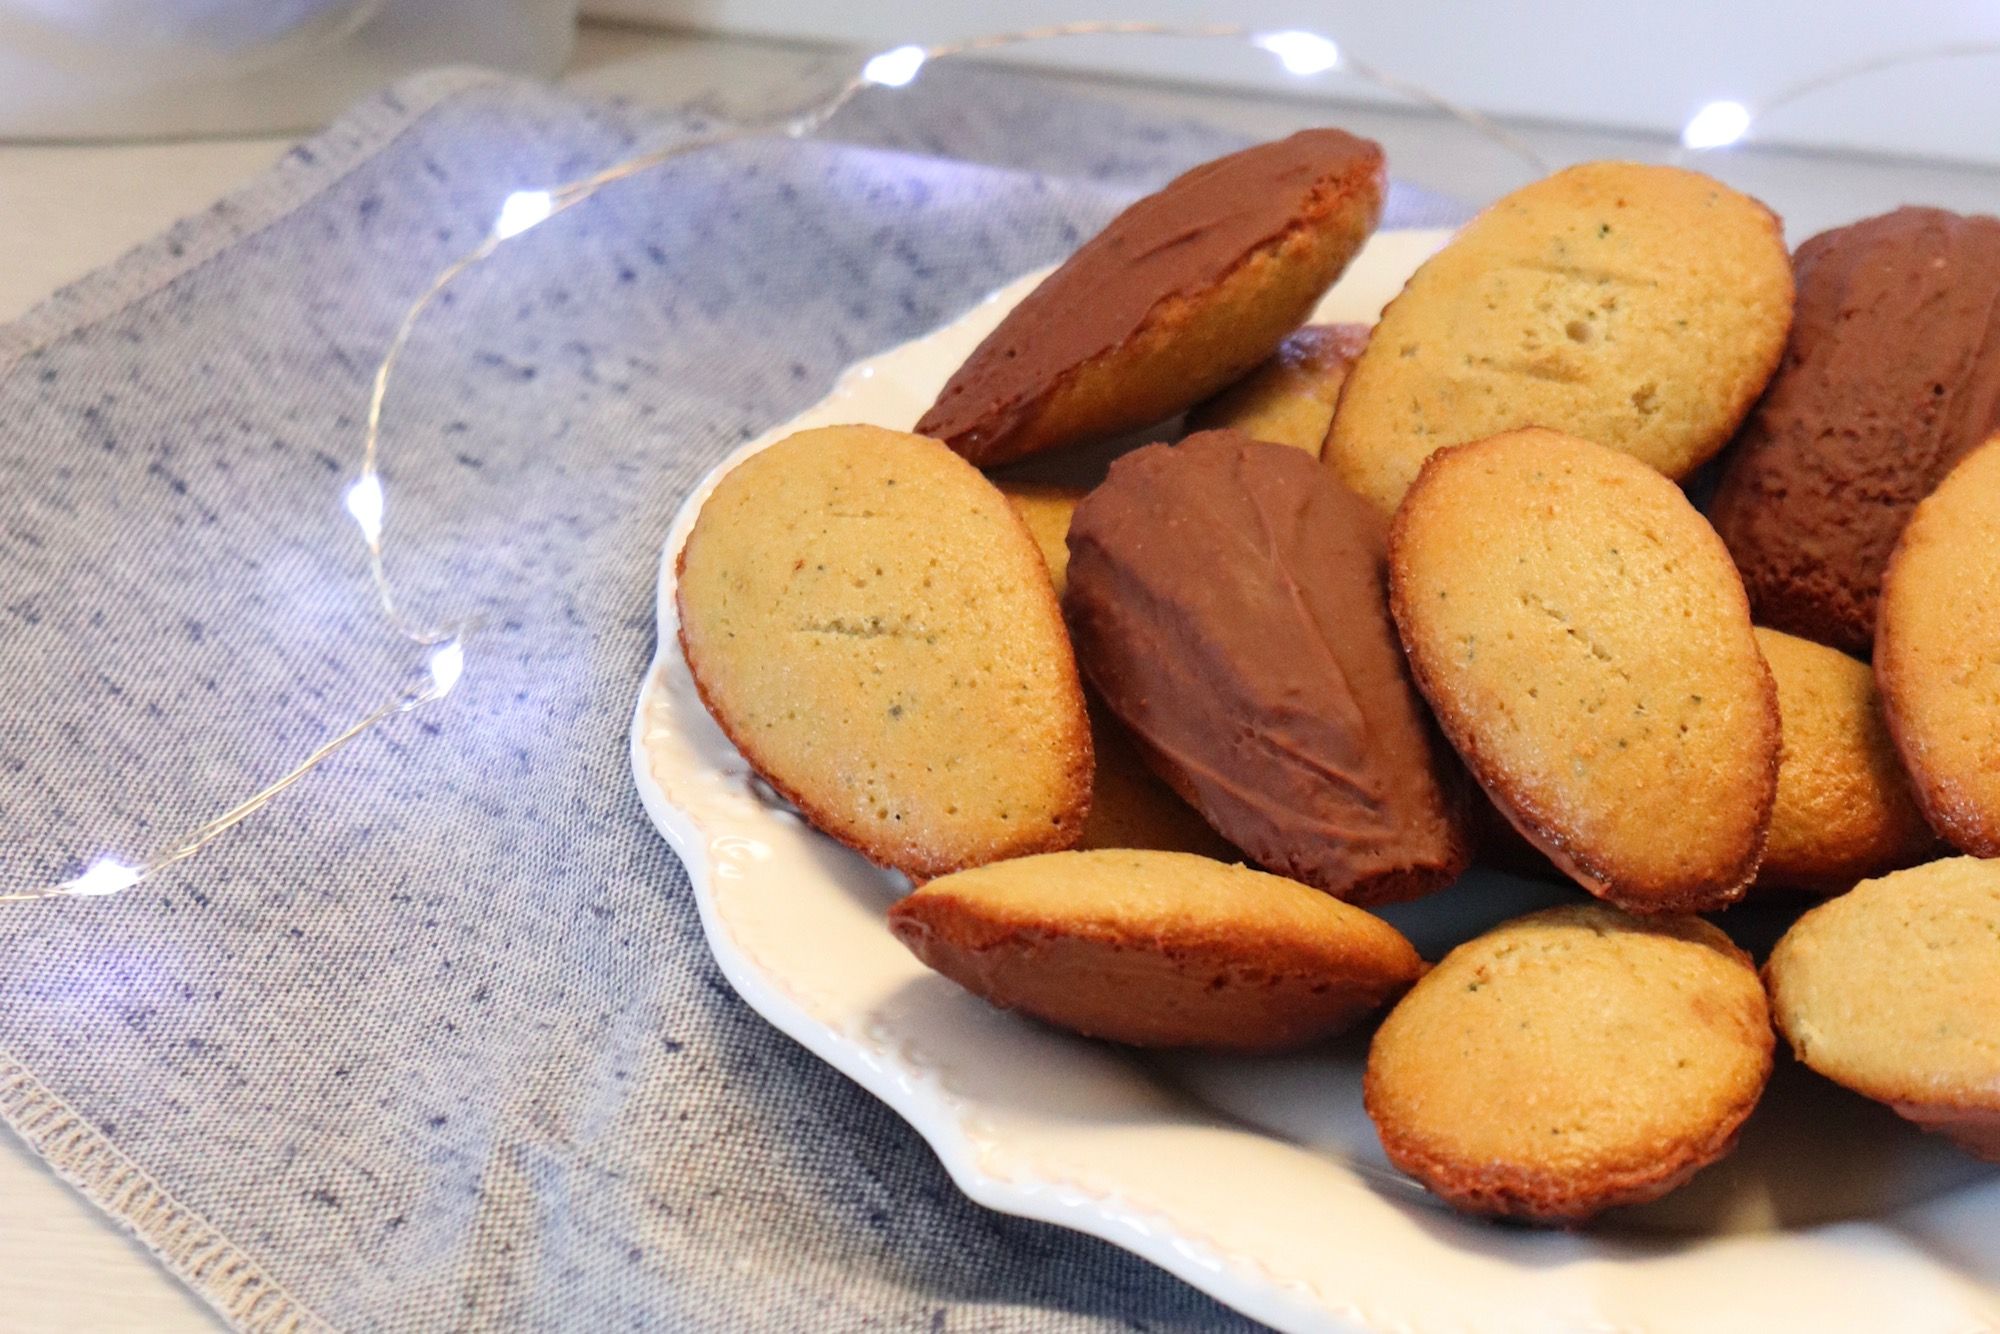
[[1226, 598], [1184, 292], [1891, 376]]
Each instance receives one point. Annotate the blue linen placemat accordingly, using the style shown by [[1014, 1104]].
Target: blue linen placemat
[[436, 1042]]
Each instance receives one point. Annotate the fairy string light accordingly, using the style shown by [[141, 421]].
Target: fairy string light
[[107, 875], [1726, 122], [1300, 53]]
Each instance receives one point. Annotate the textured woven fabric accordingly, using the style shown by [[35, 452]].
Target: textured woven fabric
[[435, 1042]]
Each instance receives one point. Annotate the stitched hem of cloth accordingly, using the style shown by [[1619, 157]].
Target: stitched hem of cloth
[[307, 170], [200, 1256], [208, 1262]]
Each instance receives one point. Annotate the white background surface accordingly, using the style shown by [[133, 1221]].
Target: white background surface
[[67, 210], [158, 68], [1623, 65]]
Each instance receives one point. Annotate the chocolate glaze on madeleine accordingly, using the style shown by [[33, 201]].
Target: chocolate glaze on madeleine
[[1227, 599], [1891, 376], [1184, 292]]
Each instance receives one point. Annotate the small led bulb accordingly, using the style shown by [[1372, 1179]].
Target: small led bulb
[[446, 666], [107, 875], [523, 209], [364, 502], [1301, 53], [894, 68], [1717, 125]]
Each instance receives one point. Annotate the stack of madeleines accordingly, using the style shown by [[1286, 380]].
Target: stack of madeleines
[[1398, 599]]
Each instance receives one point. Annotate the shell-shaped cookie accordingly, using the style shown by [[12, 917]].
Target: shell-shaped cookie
[[1891, 376], [1844, 809], [1571, 1060], [1893, 990], [1227, 601], [1641, 307], [1047, 510], [1158, 949], [1289, 399], [1937, 652], [868, 620], [1133, 807], [1130, 806], [1586, 644], [1184, 292]]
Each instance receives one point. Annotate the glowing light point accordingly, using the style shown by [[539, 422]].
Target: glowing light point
[[447, 665], [1717, 125], [364, 502], [106, 875], [522, 210], [1300, 53], [894, 68]]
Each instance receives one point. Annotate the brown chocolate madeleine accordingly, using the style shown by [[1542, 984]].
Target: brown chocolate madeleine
[[1184, 292], [1891, 376], [1226, 598], [1130, 807]]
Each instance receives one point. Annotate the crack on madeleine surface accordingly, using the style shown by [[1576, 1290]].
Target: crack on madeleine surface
[[1641, 307]]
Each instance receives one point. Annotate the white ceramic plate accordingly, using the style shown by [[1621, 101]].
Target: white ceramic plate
[[1260, 1180]]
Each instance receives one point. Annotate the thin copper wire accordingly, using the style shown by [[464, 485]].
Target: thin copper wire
[[567, 196]]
